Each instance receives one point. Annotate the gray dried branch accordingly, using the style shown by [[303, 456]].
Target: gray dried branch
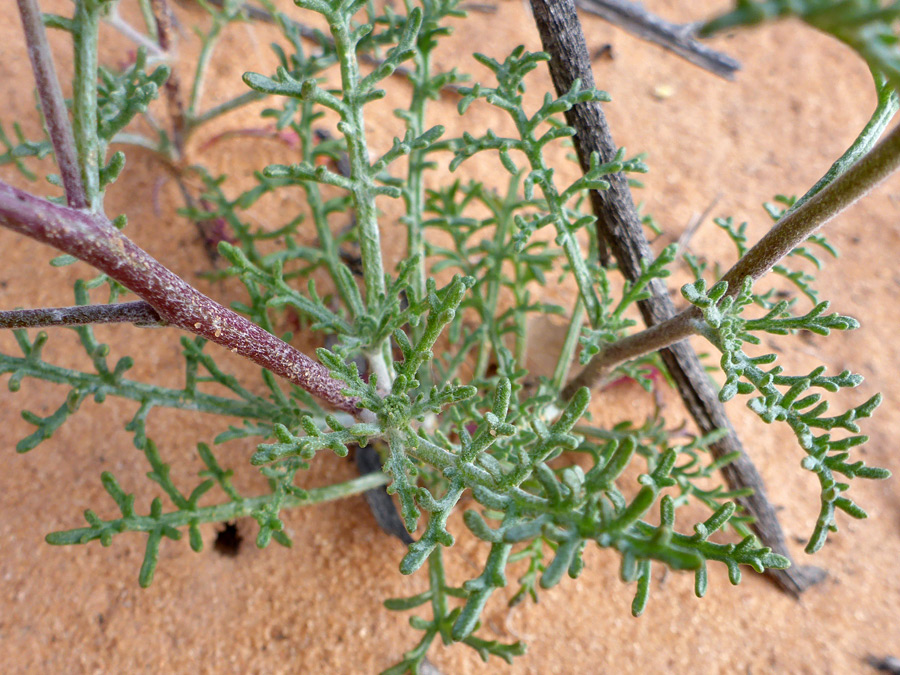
[[619, 226], [677, 38]]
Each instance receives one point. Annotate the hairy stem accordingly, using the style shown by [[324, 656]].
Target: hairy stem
[[219, 513], [93, 239], [53, 104], [163, 397], [129, 31], [569, 347], [206, 51], [652, 339], [796, 226], [358, 152], [415, 189], [326, 241], [84, 100], [232, 104], [503, 215]]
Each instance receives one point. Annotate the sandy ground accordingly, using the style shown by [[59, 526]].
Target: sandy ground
[[792, 109]]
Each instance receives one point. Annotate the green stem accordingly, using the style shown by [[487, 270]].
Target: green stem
[[504, 217], [137, 140], [326, 243], [163, 397], [415, 188], [84, 100], [521, 317], [149, 19], [220, 512], [886, 108], [353, 127], [195, 121], [567, 353], [206, 52], [565, 237]]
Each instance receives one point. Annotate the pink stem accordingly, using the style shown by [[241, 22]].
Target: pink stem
[[92, 238]]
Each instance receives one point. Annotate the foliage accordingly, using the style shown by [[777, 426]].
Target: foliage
[[436, 352]]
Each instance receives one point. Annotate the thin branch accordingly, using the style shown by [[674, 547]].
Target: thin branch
[[53, 104], [684, 240], [84, 101], [139, 313], [172, 88], [887, 106], [814, 210], [115, 20], [652, 339], [677, 38], [92, 238], [619, 226]]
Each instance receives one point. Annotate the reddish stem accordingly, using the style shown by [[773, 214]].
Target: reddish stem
[[92, 238]]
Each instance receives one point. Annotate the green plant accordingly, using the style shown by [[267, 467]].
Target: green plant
[[428, 362]]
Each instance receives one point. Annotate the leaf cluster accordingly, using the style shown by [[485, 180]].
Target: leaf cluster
[[792, 399]]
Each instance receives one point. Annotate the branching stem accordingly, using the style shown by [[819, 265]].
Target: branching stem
[[92, 238], [788, 233], [223, 512]]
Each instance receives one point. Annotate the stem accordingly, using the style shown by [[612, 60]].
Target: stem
[[327, 244], [206, 52], [225, 512], [222, 108], [520, 347], [415, 187], [138, 313], [137, 140], [503, 215], [162, 397], [84, 100], [788, 233], [354, 130], [679, 39], [129, 31], [147, 15], [569, 242], [652, 339], [567, 353], [53, 104], [796, 226], [93, 239], [888, 104]]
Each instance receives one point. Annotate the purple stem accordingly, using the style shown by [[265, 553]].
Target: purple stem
[[92, 238], [52, 103], [139, 313]]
